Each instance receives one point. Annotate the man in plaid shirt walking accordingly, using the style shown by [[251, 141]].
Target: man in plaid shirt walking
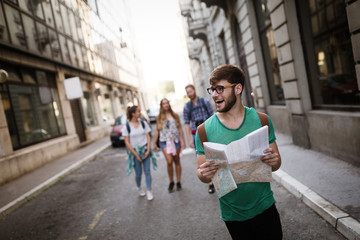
[[196, 111]]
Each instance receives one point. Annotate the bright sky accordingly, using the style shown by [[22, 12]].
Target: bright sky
[[161, 42]]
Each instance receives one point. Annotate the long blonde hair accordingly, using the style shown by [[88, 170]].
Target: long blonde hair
[[161, 118]]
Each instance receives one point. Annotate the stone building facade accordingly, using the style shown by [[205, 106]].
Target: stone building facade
[[44, 44], [301, 60]]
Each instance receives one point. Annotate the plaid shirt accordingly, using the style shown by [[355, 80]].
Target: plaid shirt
[[199, 113]]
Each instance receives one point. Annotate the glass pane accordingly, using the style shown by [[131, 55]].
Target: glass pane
[[30, 33], [314, 23], [72, 52], [37, 6], [41, 78], [25, 118], [28, 76], [79, 29], [64, 14], [3, 29], [330, 13], [10, 119], [43, 40], [57, 13], [58, 112], [26, 6], [48, 14], [322, 21], [87, 104], [64, 49], [79, 55], [13, 75], [15, 27], [45, 114], [312, 6], [85, 58], [72, 26], [55, 45]]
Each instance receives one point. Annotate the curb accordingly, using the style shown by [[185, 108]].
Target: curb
[[341, 221], [38, 189]]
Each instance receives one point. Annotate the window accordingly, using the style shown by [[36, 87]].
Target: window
[[329, 58], [271, 62], [87, 102], [223, 48], [32, 106]]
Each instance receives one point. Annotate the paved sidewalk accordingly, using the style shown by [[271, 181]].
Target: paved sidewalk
[[329, 186]]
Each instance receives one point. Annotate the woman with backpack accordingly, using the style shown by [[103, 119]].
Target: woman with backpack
[[171, 138], [137, 139]]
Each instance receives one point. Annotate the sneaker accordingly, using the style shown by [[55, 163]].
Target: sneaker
[[178, 186], [211, 188], [149, 195], [141, 192], [171, 187]]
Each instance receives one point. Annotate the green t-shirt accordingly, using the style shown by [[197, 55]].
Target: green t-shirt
[[249, 199]]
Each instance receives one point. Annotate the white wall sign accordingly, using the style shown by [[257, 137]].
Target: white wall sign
[[73, 88]]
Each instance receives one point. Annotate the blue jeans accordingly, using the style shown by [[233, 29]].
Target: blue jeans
[[193, 138], [138, 172]]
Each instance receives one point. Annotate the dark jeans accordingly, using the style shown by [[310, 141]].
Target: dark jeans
[[266, 225]]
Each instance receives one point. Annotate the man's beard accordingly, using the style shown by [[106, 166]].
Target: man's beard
[[230, 102]]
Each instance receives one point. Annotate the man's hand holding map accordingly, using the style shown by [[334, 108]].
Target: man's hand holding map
[[239, 161]]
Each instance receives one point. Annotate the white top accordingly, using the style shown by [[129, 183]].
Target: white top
[[137, 134]]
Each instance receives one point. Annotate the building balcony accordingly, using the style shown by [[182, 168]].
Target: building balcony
[[197, 23], [194, 52], [218, 3]]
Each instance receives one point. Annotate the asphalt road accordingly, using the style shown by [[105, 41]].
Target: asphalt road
[[99, 201]]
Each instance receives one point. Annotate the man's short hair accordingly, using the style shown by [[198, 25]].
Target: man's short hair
[[231, 73], [190, 86]]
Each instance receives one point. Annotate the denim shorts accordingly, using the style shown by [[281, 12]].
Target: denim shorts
[[163, 145]]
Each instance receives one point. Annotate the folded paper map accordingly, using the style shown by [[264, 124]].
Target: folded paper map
[[239, 161]]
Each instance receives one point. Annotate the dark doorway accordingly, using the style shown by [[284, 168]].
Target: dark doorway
[[78, 119]]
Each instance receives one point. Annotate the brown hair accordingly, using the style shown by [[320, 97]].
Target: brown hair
[[130, 111], [190, 85], [231, 73], [161, 118]]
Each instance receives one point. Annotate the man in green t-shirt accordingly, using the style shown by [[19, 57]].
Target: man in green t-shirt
[[249, 211]]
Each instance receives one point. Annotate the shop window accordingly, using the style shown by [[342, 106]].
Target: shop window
[[32, 106], [329, 58], [87, 102], [269, 52], [88, 106]]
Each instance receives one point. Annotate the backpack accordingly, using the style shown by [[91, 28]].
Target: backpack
[[202, 133], [128, 126]]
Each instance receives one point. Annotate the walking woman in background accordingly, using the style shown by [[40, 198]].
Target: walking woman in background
[[137, 140], [169, 127]]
